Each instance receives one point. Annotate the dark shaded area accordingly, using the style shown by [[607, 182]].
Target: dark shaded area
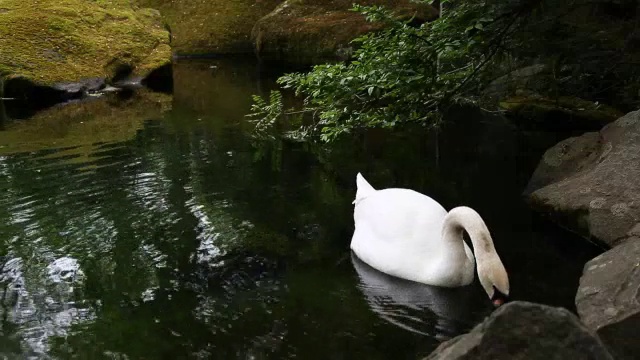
[[120, 71], [28, 97], [160, 79], [622, 337], [3, 114]]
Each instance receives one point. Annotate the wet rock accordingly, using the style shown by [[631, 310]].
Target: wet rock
[[48, 47], [608, 299], [77, 89], [533, 77], [42, 96], [312, 32], [591, 183], [522, 330]]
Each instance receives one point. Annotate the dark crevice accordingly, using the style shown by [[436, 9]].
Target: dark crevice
[[160, 79]]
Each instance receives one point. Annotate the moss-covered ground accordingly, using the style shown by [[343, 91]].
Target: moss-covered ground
[[52, 41], [211, 26], [306, 31]]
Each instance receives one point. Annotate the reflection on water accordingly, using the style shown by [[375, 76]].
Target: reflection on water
[[440, 313], [147, 229]]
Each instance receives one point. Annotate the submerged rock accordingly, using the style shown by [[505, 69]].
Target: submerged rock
[[591, 183], [48, 45], [522, 330], [314, 31], [608, 300]]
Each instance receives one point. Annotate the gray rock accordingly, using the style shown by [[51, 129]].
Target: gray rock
[[591, 183], [608, 298], [79, 88], [522, 330], [533, 77]]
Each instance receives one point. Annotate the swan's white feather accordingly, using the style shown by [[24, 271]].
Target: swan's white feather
[[364, 189], [399, 232]]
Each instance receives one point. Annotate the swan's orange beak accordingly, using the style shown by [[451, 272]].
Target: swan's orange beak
[[498, 298], [498, 302]]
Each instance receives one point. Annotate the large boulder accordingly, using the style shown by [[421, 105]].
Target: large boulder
[[608, 299], [47, 44], [591, 183], [211, 26], [304, 31], [522, 330]]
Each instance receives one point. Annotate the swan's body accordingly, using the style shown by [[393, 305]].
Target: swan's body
[[406, 234]]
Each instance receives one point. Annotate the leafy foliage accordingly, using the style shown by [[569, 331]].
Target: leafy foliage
[[407, 73], [267, 113]]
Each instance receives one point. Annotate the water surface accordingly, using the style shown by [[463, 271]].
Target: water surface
[[155, 227]]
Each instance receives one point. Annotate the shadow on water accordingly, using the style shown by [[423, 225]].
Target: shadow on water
[[437, 312], [151, 230], [3, 114]]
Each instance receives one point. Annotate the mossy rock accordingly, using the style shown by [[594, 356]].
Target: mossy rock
[[209, 26], [561, 113], [305, 31], [57, 41]]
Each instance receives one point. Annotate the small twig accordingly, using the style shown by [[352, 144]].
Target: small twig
[[496, 41], [298, 112], [455, 70]]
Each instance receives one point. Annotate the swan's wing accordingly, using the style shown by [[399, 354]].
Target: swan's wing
[[398, 231], [364, 189], [400, 214]]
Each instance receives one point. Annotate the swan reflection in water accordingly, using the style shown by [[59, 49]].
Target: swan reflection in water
[[437, 312]]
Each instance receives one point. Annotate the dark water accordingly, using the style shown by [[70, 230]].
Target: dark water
[[156, 228]]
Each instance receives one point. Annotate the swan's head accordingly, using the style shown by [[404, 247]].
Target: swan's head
[[494, 280]]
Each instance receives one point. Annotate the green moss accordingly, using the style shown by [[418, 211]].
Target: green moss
[[80, 126], [51, 41], [306, 31], [207, 26], [538, 107]]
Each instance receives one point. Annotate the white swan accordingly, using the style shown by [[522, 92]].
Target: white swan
[[406, 234]]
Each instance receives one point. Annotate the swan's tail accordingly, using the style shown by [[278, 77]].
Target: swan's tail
[[364, 188]]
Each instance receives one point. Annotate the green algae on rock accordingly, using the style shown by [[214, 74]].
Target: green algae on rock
[[304, 31], [56, 41], [563, 112], [206, 26]]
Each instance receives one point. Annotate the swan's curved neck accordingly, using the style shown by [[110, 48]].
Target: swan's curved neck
[[461, 219]]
